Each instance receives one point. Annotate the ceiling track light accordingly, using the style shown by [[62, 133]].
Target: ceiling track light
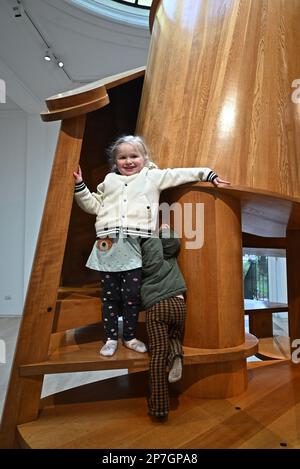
[[47, 56], [17, 12], [18, 9], [58, 61]]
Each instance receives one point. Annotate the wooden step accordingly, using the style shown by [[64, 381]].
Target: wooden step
[[276, 348], [80, 352], [113, 413], [76, 307]]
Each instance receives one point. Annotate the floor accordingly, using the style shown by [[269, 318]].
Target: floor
[[265, 416]]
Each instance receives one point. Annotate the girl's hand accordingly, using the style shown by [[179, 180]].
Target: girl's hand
[[78, 175], [164, 226], [218, 181]]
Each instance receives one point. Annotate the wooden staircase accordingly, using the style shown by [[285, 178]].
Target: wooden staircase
[[50, 312], [187, 87], [76, 350], [61, 328], [201, 108]]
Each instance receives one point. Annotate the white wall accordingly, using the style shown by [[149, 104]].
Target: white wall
[[12, 209], [26, 152], [41, 144]]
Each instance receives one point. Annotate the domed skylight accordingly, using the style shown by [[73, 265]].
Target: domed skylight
[[135, 12]]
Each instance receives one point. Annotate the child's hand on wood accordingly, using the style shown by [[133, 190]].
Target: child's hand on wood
[[78, 175]]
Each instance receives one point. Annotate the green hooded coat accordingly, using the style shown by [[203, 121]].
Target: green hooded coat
[[162, 277]]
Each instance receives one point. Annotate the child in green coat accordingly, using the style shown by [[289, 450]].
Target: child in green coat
[[162, 292]]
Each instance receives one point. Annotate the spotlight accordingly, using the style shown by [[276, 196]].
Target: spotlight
[[60, 63], [47, 56], [17, 11]]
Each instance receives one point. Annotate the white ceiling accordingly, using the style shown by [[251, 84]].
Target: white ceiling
[[90, 45], [9, 105]]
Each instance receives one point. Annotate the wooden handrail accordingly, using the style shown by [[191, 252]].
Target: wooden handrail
[[86, 98], [264, 213]]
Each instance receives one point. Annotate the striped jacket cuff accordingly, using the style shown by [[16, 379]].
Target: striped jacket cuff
[[79, 186], [211, 176]]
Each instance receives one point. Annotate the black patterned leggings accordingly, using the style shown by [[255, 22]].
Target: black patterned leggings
[[121, 296], [165, 326]]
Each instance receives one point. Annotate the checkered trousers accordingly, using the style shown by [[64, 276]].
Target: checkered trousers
[[165, 326]]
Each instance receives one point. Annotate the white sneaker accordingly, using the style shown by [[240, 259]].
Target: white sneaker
[[136, 345], [175, 372], [109, 348]]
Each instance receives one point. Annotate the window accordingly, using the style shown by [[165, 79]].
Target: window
[[136, 3], [255, 272], [264, 272], [130, 12]]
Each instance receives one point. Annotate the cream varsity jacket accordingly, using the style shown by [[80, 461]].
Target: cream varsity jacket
[[131, 202]]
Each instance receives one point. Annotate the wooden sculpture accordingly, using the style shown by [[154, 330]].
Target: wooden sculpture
[[217, 92], [225, 96]]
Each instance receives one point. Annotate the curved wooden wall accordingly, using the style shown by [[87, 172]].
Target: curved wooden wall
[[218, 90]]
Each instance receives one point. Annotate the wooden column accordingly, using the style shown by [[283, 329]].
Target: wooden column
[[213, 274], [23, 395]]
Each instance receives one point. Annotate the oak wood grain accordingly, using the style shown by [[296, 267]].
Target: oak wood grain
[[222, 98], [262, 417]]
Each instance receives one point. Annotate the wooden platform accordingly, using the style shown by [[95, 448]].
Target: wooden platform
[[260, 316], [78, 350], [257, 306], [265, 416], [274, 348]]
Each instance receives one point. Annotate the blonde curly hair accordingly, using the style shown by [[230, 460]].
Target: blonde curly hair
[[135, 140]]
